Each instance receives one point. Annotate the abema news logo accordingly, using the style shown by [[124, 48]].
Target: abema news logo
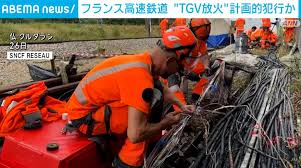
[[38, 9]]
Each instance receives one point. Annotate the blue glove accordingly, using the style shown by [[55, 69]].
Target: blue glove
[[214, 88]]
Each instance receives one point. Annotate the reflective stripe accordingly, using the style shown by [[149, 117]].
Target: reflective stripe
[[11, 105], [79, 94], [81, 98]]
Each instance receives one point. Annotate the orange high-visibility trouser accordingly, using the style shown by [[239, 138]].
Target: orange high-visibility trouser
[[129, 153]]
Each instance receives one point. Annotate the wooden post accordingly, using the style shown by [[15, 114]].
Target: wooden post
[[53, 65], [150, 28], [147, 26], [63, 72]]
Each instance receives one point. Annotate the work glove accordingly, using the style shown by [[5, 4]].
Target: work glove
[[214, 88]]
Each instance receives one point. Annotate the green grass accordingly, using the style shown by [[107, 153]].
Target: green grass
[[72, 31]]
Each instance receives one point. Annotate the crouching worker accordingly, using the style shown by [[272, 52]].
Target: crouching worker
[[115, 98]]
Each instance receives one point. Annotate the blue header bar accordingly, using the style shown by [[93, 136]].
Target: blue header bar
[[149, 9], [299, 8], [39, 9]]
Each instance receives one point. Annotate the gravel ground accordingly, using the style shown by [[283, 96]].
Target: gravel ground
[[16, 72]]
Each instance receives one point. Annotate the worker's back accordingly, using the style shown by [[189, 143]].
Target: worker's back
[[240, 23], [239, 26], [256, 34], [118, 82]]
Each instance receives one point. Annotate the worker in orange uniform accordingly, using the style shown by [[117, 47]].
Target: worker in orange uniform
[[264, 37], [289, 30], [179, 22], [197, 65], [239, 26], [163, 25], [250, 31], [117, 96], [173, 82], [194, 66]]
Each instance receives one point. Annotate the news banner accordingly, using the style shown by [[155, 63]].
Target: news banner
[[36, 9]]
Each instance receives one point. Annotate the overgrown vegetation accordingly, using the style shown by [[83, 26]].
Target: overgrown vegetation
[[116, 32], [295, 71], [74, 31]]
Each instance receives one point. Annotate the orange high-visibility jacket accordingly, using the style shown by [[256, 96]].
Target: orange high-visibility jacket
[[118, 82], [256, 34], [289, 34], [163, 25], [266, 22], [29, 105], [289, 30], [249, 33], [240, 25], [264, 36], [195, 64], [179, 22]]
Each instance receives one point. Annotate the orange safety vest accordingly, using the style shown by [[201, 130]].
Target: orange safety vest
[[28, 107], [239, 25], [289, 31], [256, 34], [194, 64], [116, 83], [249, 33], [264, 36], [266, 22], [268, 36], [289, 34]]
